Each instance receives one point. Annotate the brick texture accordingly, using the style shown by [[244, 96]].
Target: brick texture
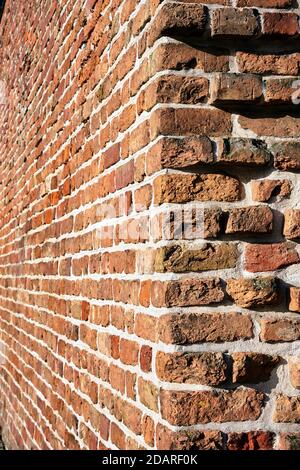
[[150, 224]]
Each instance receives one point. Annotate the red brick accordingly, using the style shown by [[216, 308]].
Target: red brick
[[191, 121], [189, 408], [197, 368], [269, 257], [280, 23], [235, 87], [234, 22], [211, 327], [255, 219], [255, 440], [291, 227], [294, 305], [188, 440], [279, 330], [146, 358]]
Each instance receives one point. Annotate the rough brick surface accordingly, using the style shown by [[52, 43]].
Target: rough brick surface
[[257, 292], [149, 224]]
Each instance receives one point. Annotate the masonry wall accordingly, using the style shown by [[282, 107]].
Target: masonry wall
[[149, 224]]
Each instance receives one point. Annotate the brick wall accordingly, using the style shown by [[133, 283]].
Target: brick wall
[[149, 220]]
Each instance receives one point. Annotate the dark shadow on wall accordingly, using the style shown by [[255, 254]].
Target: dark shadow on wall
[[2, 3]]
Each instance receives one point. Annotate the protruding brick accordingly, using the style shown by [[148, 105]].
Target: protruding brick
[[254, 219], [188, 440], [279, 330], [234, 22], [182, 152], [264, 190], [196, 368], [186, 292], [177, 18], [287, 409], [290, 441], [286, 126], [268, 64], [188, 408], [235, 87], [287, 155], [199, 327], [265, 3], [173, 89], [189, 121], [260, 257], [278, 23], [254, 293], [180, 56], [294, 305], [246, 152], [294, 371], [180, 258], [180, 188], [253, 440], [279, 90], [250, 367], [292, 223]]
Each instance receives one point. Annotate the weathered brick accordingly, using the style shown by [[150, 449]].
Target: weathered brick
[[253, 440], [277, 23], [180, 152], [252, 367], [180, 258], [264, 190], [182, 188], [129, 351], [198, 327], [294, 305], [180, 56], [265, 3], [212, 222], [146, 358], [254, 219], [148, 393], [187, 408], [294, 371], [174, 89], [286, 126], [196, 368], [279, 329], [268, 64], [191, 121], [243, 152], [279, 90], [148, 430], [234, 22], [289, 441], [186, 292], [259, 257], [254, 293], [287, 409], [188, 440], [176, 18], [235, 87], [287, 155], [145, 326], [291, 227]]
